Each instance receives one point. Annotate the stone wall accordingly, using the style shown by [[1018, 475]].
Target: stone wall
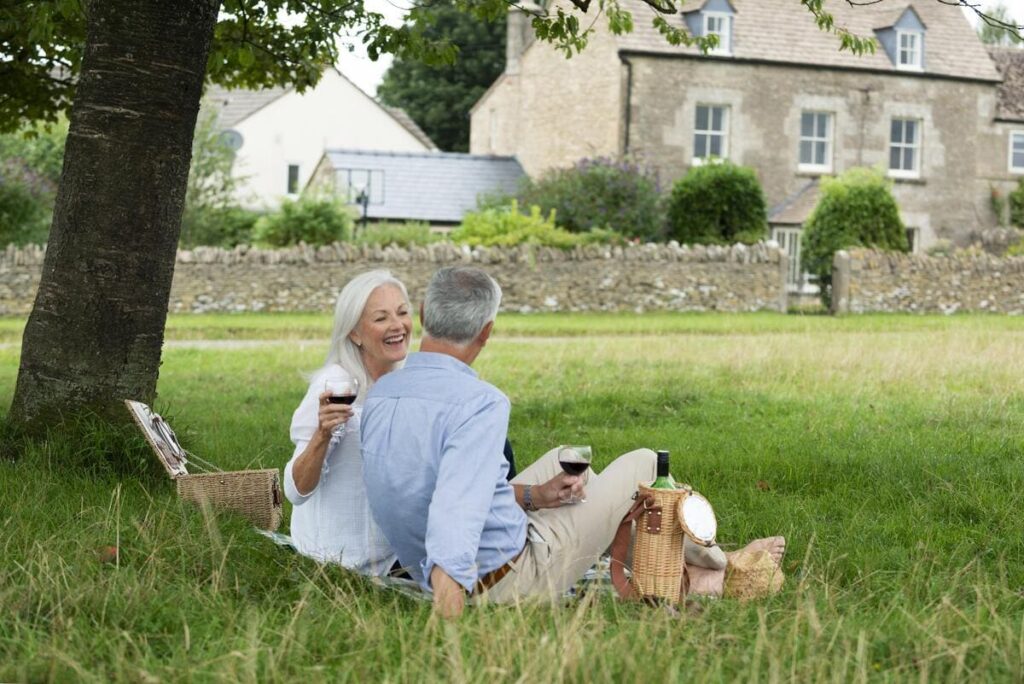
[[635, 278], [870, 281]]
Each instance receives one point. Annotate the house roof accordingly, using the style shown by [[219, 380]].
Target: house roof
[[235, 106], [438, 187], [795, 209], [783, 31], [1010, 63]]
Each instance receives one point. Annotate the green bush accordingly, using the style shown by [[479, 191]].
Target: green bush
[[217, 227], [599, 193], [408, 234], [506, 226], [717, 203], [24, 215], [313, 220], [1016, 249], [1016, 201], [856, 209]]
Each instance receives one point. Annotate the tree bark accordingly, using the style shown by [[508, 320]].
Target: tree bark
[[96, 329]]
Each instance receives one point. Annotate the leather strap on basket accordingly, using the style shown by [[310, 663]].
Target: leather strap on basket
[[622, 541]]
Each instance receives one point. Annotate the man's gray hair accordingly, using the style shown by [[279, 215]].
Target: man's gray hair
[[460, 301]]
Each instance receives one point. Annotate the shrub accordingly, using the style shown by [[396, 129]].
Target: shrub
[[409, 234], [217, 227], [24, 215], [506, 226], [856, 209], [599, 193], [1016, 201], [717, 203], [1016, 249], [313, 220]]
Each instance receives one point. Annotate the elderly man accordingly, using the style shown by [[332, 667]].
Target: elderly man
[[432, 438]]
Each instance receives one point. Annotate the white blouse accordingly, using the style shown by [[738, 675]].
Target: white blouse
[[332, 523]]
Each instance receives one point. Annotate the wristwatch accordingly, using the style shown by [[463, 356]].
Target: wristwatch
[[528, 498]]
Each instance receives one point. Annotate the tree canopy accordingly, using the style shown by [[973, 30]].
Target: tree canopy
[[263, 43], [439, 97]]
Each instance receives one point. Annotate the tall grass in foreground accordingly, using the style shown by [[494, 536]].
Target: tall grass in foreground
[[889, 457]]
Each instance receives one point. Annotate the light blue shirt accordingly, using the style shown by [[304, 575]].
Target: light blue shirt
[[435, 473]]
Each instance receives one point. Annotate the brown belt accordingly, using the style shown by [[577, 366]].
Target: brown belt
[[495, 576]]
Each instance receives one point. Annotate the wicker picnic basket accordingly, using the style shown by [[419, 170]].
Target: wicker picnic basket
[[658, 565], [255, 494], [658, 547]]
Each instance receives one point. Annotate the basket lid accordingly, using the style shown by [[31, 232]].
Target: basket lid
[[697, 518], [161, 438]]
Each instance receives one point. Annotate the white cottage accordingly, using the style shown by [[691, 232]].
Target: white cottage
[[281, 134]]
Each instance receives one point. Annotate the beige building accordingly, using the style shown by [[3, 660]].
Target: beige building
[[777, 95]]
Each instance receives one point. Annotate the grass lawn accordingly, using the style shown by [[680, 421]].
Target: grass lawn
[[887, 449]]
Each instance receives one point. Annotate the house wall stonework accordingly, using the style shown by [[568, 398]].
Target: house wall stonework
[[870, 281], [960, 145], [635, 278], [554, 111]]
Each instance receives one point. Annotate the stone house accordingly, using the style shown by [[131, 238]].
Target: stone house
[[778, 95], [280, 134]]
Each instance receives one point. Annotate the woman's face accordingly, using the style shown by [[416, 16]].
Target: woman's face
[[383, 330]]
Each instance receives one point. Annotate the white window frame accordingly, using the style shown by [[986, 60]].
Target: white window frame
[[724, 46], [915, 52], [1009, 154], [902, 145], [813, 139], [709, 132]]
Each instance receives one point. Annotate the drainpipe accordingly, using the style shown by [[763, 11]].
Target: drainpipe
[[629, 104]]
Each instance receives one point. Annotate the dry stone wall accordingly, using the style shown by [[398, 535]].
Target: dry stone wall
[[634, 278], [872, 281]]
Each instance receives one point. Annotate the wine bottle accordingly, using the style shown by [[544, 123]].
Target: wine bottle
[[664, 479]]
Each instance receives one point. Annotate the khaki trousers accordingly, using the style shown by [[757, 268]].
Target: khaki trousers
[[563, 543]]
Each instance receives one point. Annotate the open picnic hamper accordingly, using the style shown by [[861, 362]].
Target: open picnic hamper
[[658, 545], [256, 494]]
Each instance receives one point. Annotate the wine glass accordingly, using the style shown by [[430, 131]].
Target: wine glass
[[575, 460], [341, 390]]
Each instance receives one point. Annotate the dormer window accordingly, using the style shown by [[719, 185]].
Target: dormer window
[[903, 41], [713, 18], [719, 24], [909, 50]]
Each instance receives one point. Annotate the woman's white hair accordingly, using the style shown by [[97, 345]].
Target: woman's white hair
[[347, 312]]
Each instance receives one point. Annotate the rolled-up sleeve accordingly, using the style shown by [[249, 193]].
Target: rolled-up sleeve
[[305, 421], [470, 463]]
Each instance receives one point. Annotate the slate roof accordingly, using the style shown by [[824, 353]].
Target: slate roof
[[795, 209], [784, 31], [438, 187], [234, 106], [1010, 63]]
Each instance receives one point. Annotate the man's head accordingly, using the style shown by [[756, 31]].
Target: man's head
[[460, 306]]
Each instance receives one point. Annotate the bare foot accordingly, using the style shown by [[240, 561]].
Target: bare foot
[[775, 546]]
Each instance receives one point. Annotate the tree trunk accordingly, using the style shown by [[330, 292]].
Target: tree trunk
[[96, 329]]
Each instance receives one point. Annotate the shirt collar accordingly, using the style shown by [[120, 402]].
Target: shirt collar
[[438, 360]]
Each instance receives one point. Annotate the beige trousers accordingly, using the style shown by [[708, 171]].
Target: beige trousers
[[563, 543]]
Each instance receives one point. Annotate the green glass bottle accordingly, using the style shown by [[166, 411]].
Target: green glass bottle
[[664, 479]]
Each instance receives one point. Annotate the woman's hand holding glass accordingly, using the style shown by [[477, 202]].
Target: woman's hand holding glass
[[336, 404]]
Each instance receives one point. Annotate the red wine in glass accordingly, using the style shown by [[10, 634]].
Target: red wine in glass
[[575, 459], [342, 399]]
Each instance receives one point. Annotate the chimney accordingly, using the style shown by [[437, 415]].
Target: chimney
[[520, 33]]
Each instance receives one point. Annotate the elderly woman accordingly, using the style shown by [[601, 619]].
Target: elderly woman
[[331, 518]]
